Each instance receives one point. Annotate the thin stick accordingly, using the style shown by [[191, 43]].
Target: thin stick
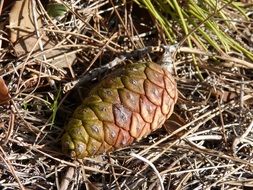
[[151, 165], [10, 167], [68, 177]]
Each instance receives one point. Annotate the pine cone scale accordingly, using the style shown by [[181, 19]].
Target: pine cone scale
[[122, 116]]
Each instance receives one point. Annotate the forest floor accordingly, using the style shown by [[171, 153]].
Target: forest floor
[[211, 144]]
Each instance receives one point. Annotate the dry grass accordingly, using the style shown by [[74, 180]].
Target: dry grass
[[214, 151]]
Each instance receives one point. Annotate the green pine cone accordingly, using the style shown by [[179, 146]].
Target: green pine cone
[[127, 105]]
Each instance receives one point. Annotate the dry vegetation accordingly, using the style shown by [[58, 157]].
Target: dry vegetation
[[211, 150]]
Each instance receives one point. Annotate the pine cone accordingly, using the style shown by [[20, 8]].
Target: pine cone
[[127, 105]]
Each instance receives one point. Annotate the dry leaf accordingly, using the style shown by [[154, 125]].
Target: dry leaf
[[224, 95], [21, 20], [173, 123], [4, 92], [24, 37]]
